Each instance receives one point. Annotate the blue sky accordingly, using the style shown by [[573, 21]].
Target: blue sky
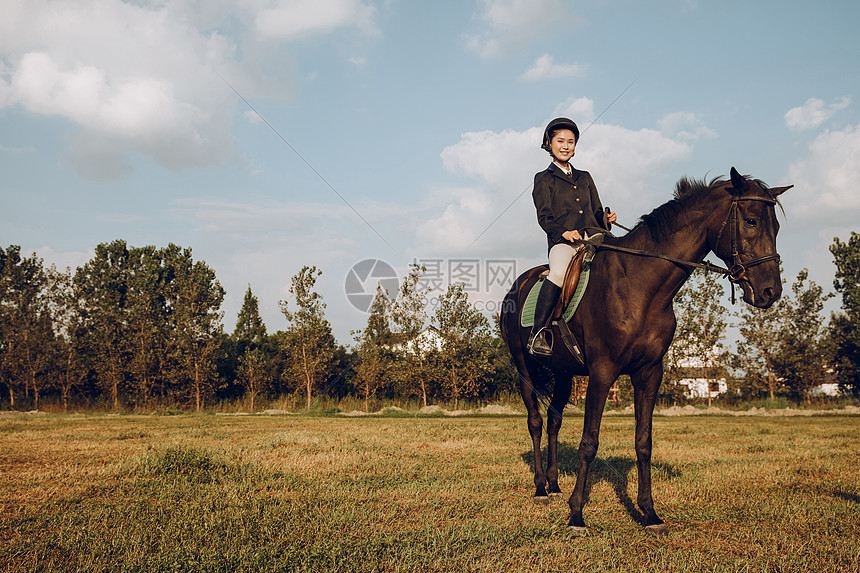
[[415, 127]]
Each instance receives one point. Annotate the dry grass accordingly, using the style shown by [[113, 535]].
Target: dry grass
[[207, 493]]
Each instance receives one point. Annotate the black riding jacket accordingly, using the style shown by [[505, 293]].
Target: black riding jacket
[[565, 203]]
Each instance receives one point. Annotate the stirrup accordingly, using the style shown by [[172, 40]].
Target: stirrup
[[538, 346]]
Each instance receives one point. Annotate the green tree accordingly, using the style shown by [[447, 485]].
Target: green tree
[[757, 350], [102, 287], [845, 325], [249, 325], [254, 363], [195, 297], [69, 327], [801, 358], [27, 328], [697, 350], [372, 350], [254, 373], [147, 321], [467, 343], [226, 358], [408, 315], [505, 379], [308, 338]]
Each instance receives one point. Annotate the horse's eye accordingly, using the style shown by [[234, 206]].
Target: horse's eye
[[751, 222]]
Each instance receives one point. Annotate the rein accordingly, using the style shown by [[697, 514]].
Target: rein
[[736, 274]]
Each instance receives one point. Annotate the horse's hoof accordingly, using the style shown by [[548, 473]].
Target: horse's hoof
[[658, 530], [541, 500], [577, 531], [555, 494]]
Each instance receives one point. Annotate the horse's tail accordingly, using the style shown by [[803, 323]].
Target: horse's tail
[[543, 383]]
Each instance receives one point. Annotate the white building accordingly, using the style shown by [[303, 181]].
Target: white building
[[700, 382], [425, 341], [703, 387], [830, 389]]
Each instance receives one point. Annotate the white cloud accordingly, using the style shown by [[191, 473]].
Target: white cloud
[[290, 19], [685, 126], [544, 68], [315, 230], [252, 219], [64, 259], [145, 78], [826, 179], [813, 113], [97, 157], [580, 110], [7, 149], [511, 24], [264, 243], [623, 162], [132, 78], [496, 158], [253, 117], [454, 228]]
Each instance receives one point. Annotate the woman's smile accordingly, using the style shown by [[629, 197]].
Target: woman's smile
[[563, 144]]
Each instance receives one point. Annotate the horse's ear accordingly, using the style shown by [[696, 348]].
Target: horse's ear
[[739, 182], [779, 190]]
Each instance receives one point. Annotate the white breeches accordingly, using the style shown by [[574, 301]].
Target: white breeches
[[559, 259]]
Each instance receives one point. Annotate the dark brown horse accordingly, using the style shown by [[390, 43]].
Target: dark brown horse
[[625, 322]]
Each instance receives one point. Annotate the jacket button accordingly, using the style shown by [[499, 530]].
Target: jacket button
[[580, 211], [577, 199], [574, 186]]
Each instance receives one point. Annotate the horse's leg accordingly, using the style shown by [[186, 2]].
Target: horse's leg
[[535, 422], [646, 382], [600, 380], [560, 398]]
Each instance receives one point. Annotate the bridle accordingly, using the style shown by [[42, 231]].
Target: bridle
[[737, 272]]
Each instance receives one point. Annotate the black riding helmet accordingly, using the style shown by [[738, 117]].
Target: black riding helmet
[[556, 124]]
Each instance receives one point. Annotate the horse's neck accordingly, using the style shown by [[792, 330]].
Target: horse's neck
[[689, 242]]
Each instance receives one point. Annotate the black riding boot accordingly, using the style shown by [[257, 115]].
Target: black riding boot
[[544, 306]]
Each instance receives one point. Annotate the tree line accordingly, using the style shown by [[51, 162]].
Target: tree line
[[132, 324], [786, 350], [136, 327]]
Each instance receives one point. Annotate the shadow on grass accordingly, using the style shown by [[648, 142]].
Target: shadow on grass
[[846, 496], [614, 470]]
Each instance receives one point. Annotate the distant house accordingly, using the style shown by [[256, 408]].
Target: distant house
[[828, 389], [696, 385], [425, 341], [699, 382]]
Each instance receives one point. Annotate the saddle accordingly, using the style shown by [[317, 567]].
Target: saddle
[[571, 279], [569, 298]]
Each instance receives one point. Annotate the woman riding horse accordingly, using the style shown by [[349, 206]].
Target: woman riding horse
[[567, 207], [625, 321]]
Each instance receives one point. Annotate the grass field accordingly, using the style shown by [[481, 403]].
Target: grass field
[[292, 493]]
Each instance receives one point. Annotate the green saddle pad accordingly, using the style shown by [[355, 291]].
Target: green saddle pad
[[527, 319]]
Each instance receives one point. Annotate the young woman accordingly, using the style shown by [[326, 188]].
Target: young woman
[[568, 210]]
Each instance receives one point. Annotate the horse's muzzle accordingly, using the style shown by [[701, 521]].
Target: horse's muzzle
[[762, 297]]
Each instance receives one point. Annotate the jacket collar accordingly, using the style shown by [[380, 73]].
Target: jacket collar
[[559, 172]]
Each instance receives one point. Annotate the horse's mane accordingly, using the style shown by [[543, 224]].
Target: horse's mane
[[664, 220]]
